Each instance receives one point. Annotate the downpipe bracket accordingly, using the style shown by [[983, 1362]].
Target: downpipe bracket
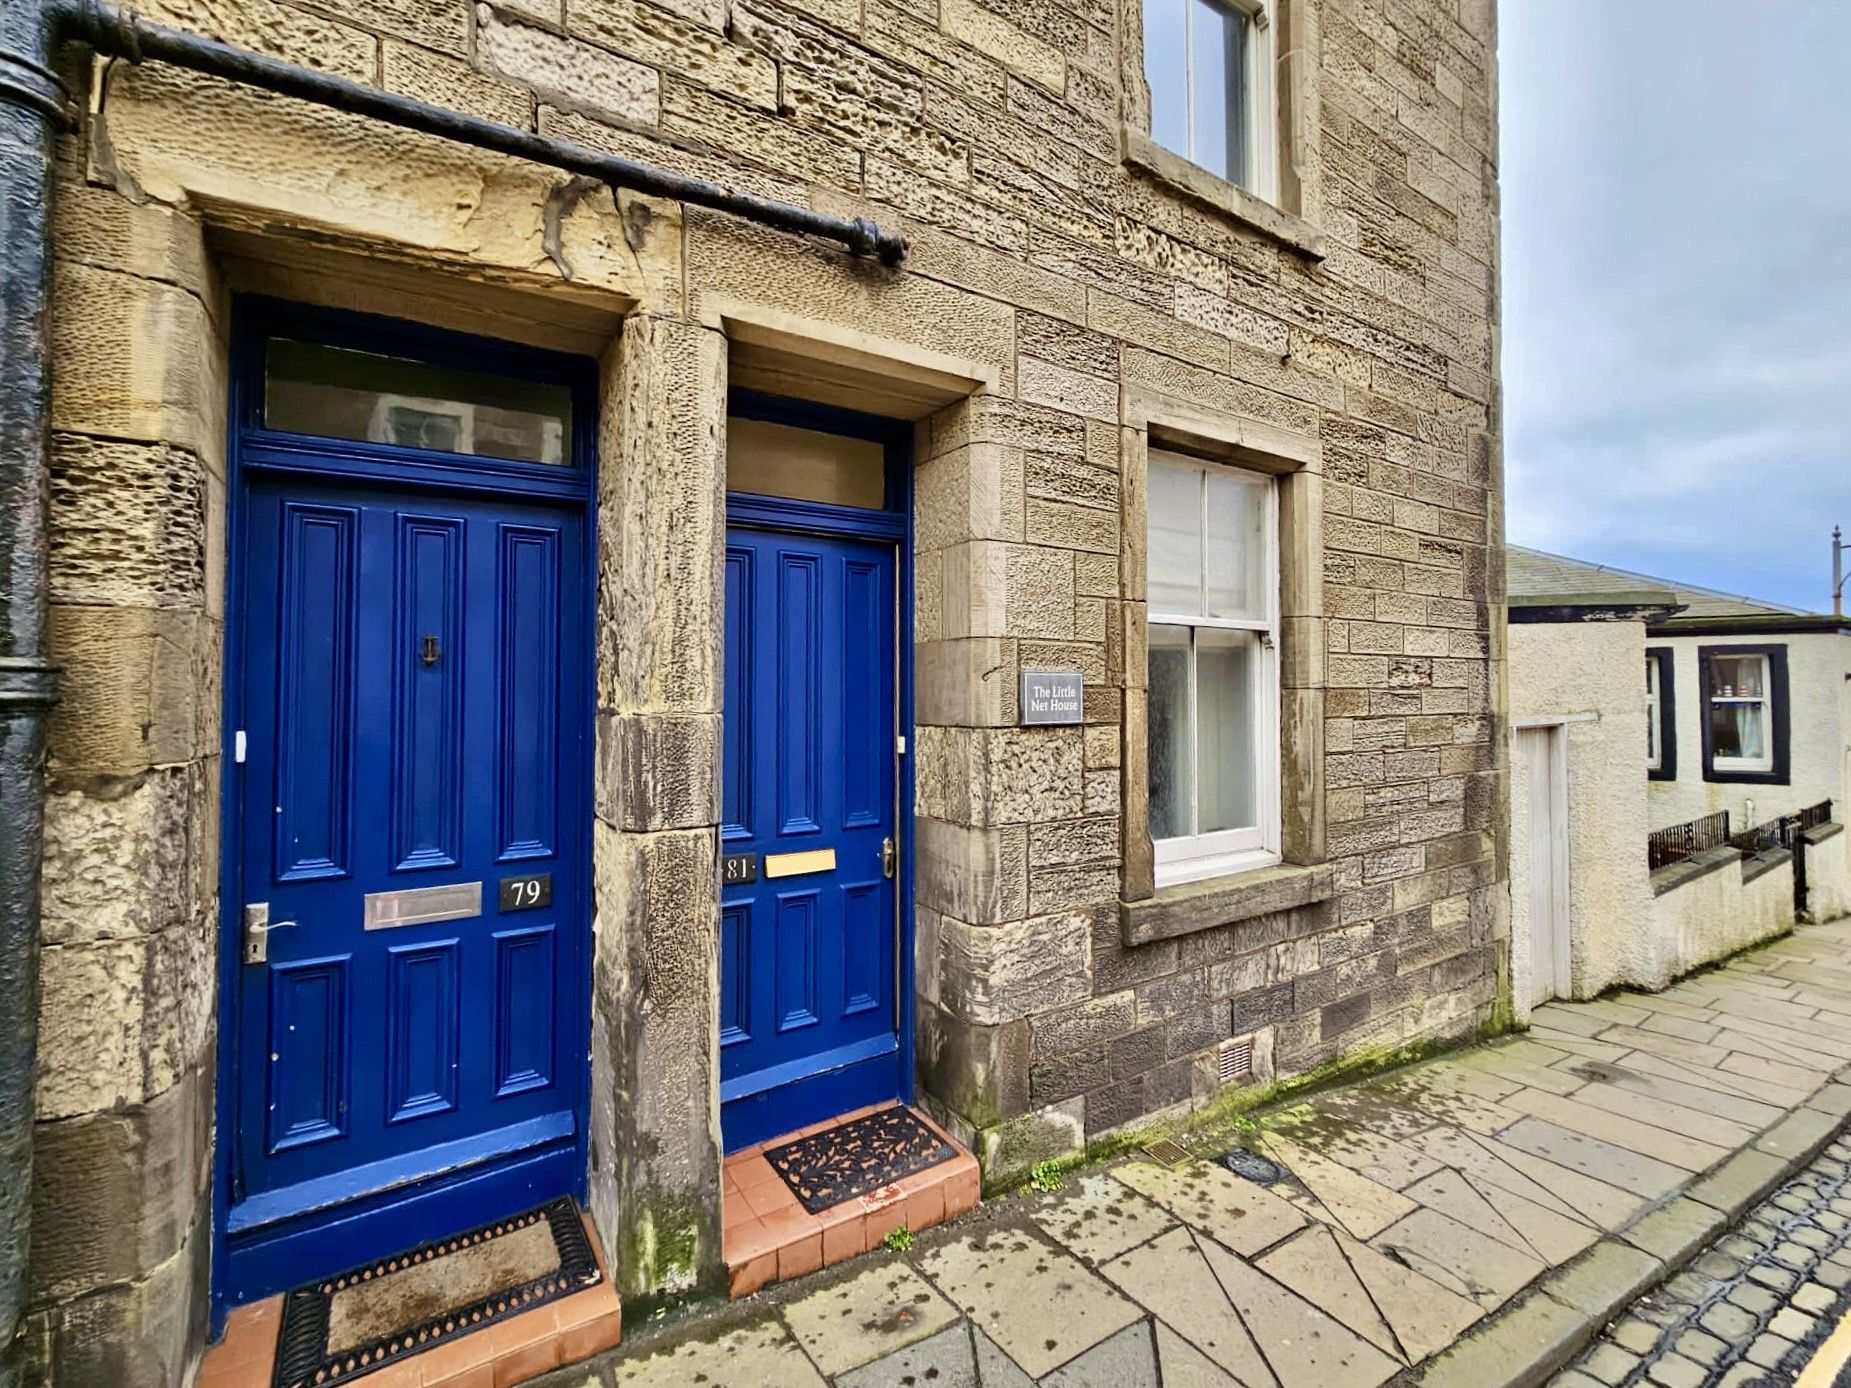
[[27, 684], [29, 84]]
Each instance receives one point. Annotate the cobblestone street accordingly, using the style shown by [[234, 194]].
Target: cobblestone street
[[1753, 1308]]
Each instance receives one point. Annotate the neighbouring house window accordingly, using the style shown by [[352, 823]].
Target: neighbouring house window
[[1209, 64], [1744, 712], [1213, 737], [1661, 715]]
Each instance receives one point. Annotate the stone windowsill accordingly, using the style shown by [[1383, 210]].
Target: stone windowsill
[[1763, 863], [1142, 152], [1192, 906], [1819, 833], [1670, 878]]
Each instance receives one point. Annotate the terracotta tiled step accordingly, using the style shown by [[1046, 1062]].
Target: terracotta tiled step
[[505, 1353], [770, 1237]]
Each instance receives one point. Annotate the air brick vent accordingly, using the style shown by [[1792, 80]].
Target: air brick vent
[[1235, 1062]]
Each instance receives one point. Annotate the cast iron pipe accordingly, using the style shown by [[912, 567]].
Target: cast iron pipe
[[120, 33], [31, 101], [33, 104]]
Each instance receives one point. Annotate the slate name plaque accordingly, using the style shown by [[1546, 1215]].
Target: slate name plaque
[[1052, 696]]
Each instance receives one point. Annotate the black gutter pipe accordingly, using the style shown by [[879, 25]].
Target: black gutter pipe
[[31, 102], [120, 33], [33, 106]]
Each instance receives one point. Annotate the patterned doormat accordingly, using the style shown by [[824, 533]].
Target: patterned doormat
[[854, 1158], [341, 1327]]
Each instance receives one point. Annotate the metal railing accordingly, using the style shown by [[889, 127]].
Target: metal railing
[[1781, 832], [1664, 847]]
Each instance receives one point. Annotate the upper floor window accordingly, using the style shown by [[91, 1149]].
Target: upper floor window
[[1214, 680], [1654, 718], [1745, 715], [1209, 64]]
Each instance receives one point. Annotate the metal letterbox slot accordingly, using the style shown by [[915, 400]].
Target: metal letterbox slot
[[797, 864], [421, 905]]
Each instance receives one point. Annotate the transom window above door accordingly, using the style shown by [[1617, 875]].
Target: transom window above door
[[365, 396], [1209, 64], [1213, 737]]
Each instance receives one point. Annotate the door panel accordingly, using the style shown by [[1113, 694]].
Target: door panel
[[415, 694], [807, 978]]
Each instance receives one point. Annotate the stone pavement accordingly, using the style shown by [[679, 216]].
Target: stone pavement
[[1752, 1310], [1472, 1220]]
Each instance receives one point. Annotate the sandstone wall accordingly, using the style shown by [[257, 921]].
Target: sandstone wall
[[1060, 309]]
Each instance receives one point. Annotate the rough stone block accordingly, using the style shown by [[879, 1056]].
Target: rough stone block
[[975, 875], [659, 771], [982, 1073], [997, 973], [572, 71]]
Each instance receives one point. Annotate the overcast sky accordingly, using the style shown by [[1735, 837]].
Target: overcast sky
[[1677, 286]]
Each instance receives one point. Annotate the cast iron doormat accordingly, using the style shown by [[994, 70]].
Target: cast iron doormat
[[341, 1327], [877, 1149]]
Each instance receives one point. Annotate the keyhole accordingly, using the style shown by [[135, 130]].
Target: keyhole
[[428, 651]]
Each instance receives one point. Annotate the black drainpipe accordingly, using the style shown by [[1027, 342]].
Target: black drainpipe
[[33, 105]]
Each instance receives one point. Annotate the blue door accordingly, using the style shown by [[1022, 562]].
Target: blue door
[[808, 915], [411, 1005]]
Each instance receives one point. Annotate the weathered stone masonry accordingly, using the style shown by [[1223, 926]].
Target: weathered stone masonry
[[1071, 296]]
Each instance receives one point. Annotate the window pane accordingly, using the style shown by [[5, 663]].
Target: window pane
[[1172, 782], [1166, 48], [1175, 553], [1736, 730], [340, 393], [1740, 676], [1651, 711], [781, 460], [1217, 86], [1227, 730], [1236, 547]]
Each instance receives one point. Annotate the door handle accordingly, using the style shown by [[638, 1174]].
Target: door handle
[[890, 856], [257, 928]]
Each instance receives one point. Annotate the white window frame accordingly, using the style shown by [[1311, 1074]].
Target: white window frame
[[1198, 856], [1655, 714], [1259, 118], [1765, 701]]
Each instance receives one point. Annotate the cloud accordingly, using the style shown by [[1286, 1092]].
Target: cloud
[[1677, 286]]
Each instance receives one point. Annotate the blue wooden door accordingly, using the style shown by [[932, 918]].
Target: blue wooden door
[[808, 924], [410, 1049]]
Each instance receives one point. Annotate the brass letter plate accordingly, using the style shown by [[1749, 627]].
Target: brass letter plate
[[421, 905], [797, 864]]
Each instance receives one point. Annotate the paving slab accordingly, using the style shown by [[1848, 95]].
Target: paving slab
[[943, 1361], [1670, 1148], [1041, 1305], [1486, 1165], [1353, 1200], [863, 1317], [1591, 1156], [1425, 1316], [994, 1368], [1522, 1346], [1457, 1255], [1240, 1214], [761, 1353], [1175, 1282], [1183, 1365], [1100, 1217], [1127, 1360], [1383, 1159], [1314, 1266], [1305, 1347]]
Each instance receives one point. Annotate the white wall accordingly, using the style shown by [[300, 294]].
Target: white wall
[[1592, 676], [1719, 913], [1819, 704]]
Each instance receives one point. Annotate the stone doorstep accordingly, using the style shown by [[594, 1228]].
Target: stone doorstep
[[510, 1351], [1527, 1341], [767, 1235]]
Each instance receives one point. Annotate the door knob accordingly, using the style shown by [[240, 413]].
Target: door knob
[[890, 856], [257, 928]]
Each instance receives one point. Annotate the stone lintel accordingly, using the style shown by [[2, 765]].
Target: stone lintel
[[1193, 906]]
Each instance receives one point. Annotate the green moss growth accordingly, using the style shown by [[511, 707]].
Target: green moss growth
[[664, 1235]]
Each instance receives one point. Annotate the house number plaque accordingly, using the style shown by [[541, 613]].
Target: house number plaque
[[738, 868], [1052, 696], [528, 893]]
